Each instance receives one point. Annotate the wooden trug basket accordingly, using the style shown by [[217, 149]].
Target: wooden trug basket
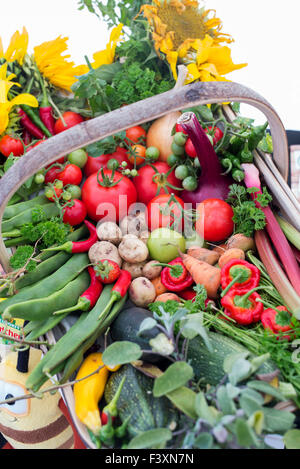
[[274, 169]]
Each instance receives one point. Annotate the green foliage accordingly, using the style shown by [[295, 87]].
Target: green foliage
[[23, 257]]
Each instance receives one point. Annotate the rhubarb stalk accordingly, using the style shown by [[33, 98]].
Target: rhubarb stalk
[[274, 230], [276, 273]]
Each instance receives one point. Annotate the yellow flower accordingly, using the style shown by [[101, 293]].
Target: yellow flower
[[17, 48], [6, 105], [55, 66], [107, 56], [190, 35]]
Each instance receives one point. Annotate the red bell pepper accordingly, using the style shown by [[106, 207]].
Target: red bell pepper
[[271, 319], [175, 277], [245, 308], [239, 274]]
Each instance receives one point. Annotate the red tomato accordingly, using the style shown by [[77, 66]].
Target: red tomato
[[111, 202], [138, 156], [218, 134], [215, 220], [70, 118], [75, 214], [136, 134], [179, 129], [10, 145], [190, 149], [162, 213], [53, 198], [94, 164], [52, 174], [72, 174], [151, 182]]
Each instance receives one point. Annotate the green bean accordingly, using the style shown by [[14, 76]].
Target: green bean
[[41, 308], [37, 378], [16, 209], [11, 243], [42, 327], [90, 326], [51, 284], [16, 198], [50, 210], [31, 326], [42, 270]]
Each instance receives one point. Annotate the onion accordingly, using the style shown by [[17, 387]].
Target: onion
[[160, 134], [211, 184]]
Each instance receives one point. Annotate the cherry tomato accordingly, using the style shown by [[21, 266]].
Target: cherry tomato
[[112, 201], [75, 214], [72, 174], [155, 179], [138, 154], [71, 119], [214, 223], [94, 164], [10, 145], [136, 134], [217, 134], [164, 213], [52, 174], [49, 193], [190, 149]]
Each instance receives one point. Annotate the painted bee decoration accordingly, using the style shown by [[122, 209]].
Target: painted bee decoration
[[31, 423]]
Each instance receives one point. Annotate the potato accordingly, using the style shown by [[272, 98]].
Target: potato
[[239, 241], [134, 224], [109, 231], [142, 292], [229, 255], [150, 271], [133, 250], [104, 250], [168, 297], [136, 270], [144, 236]]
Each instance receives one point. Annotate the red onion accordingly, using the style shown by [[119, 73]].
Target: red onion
[[212, 184]]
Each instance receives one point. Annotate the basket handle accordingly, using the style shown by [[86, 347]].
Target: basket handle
[[91, 131]]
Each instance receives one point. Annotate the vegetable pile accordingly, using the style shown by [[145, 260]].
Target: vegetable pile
[[163, 247]]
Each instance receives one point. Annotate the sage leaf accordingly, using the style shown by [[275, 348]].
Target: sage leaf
[[292, 439], [278, 420], [241, 370], [184, 399], [225, 402], [266, 388], [245, 435], [120, 353], [203, 410], [274, 441], [204, 441], [147, 325], [176, 376], [151, 439], [231, 359], [193, 326]]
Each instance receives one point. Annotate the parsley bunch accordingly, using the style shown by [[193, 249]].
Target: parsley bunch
[[23, 257]]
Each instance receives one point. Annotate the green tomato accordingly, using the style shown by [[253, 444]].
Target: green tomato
[[178, 150], [181, 172], [163, 245], [152, 153], [190, 183], [112, 164], [75, 192], [180, 139], [173, 160], [78, 157], [39, 178]]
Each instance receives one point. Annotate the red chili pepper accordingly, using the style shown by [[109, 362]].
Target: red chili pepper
[[79, 246], [239, 274], [118, 291], [26, 137], [270, 319], [89, 298], [245, 308], [175, 276], [46, 111], [27, 123]]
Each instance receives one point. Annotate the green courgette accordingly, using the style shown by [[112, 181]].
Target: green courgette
[[136, 400], [127, 326], [208, 366]]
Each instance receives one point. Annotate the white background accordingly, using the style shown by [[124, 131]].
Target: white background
[[266, 33]]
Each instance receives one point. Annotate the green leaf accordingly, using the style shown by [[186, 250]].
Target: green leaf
[[278, 420], [176, 376], [225, 402], [147, 325], [245, 435], [231, 359], [292, 439], [120, 353], [184, 399], [266, 388], [151, 439], [204, 441], [241, 370], [203, 410], [193, 326], [250, 404]]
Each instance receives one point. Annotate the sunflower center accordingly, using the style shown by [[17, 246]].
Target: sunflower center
[[188, 24]]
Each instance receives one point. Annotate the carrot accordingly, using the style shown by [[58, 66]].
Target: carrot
[[203, 274], [159, 287], [205, 255], [220, 249], [168, 297], [230, 254], [241, 241]]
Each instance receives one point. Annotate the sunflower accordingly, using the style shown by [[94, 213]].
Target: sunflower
[[107, 56], [191, 35], [7, 105], [17, 48], [56, 67]]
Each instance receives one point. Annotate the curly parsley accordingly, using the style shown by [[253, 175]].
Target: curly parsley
[[23, 257]]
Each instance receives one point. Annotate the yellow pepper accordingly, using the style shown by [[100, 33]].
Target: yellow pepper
[[89, 391]]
